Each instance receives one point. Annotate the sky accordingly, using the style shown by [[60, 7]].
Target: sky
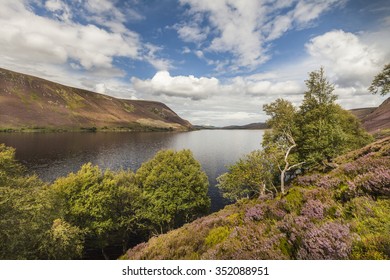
[[214, 62]]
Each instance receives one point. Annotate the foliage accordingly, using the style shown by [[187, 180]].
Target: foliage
[[249, 177], [282, 114], [381, 82], [217, 235], [372, 223], [64, 241], [279, 143], [175, 188], [331, 240], [104, 205], [9, 167], [24, 218], [26, 212], [326, 130]]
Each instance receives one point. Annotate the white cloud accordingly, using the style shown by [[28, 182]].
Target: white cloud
[[277, 88], [246, 28], [150, 54], [349, 60], [105, 13], [203, 88], [60, 9], [192, 33], [100, 88], [306, 11], [180, 86], [279, 26], [235, 22]]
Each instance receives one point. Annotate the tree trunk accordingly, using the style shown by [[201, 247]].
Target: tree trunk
[[282, 176], [105, 255]]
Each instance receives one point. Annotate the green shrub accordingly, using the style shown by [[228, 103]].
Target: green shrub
[[217, 235]]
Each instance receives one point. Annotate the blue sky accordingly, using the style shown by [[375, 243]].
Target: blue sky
[[214, 62]]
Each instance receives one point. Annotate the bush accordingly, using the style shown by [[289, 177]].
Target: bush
[[330, 241], [175, 188]]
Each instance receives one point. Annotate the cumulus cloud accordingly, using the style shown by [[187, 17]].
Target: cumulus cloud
[[246, 28], [276, 89], [349, 60], [100, 88], [180, 86], [207, 88]]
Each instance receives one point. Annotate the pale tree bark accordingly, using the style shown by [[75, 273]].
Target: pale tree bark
[[287, 166]]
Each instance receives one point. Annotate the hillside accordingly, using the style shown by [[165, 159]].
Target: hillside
[[28, 102], [378, 119], [361, 113], [342, 214]]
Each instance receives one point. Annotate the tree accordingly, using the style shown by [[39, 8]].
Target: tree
[[381, 82], [104, 205], [63, 241], [175, 188], [325, 129], [9, 167], [279, 142], [26, 213], [251, 176], [319, 91]]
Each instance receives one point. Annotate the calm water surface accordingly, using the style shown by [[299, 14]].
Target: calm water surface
[[51, 155]]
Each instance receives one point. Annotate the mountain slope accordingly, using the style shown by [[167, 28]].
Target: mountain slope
[[342, 214], [361, 113], [378, 119], [31, 102]]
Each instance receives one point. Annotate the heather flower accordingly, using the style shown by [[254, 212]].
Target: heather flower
[[308, 180], [313, 209], [364, 164], [328, 182], [255, 213], [375, 183], [331, 240]]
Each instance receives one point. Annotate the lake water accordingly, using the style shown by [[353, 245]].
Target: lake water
[[51, 155]]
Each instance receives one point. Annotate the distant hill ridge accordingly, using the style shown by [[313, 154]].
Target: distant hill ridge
[[374, 119], [28, 102], [378, 119]]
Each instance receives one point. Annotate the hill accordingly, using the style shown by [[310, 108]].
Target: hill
[[378, 119], [28, 102], [361, 113], [342, 214], [248, 126]]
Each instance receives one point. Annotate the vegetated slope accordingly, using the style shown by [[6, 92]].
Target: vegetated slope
[[342, 214], [379, 119], [31, 102]]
